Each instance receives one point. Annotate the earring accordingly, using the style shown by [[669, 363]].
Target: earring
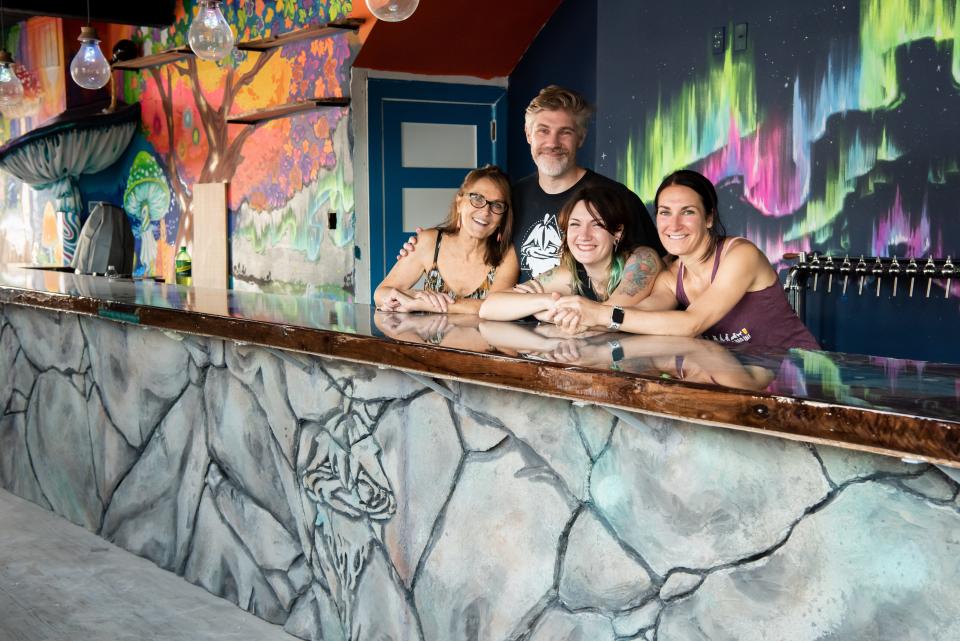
[[499, 236]]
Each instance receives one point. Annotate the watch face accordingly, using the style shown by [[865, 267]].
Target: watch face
[[617, 316]]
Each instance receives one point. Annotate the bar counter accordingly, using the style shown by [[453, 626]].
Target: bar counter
[[902, 408], [357, 475]]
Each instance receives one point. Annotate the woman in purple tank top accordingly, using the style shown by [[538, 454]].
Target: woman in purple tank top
[[720, 288]]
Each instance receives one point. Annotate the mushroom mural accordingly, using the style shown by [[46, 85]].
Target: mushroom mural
[[82, 141], [147, 201]]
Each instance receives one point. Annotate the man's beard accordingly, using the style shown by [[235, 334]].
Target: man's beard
[[552, 166]]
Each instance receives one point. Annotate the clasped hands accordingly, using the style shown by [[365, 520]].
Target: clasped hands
[[398, 300], [572, 314]]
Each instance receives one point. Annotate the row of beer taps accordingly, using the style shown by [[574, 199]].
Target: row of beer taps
[[816, 265]]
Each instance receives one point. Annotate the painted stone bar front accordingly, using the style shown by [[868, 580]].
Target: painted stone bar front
[[346, 501]]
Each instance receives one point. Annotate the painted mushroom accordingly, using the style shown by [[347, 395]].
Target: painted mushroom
[[147, 200]]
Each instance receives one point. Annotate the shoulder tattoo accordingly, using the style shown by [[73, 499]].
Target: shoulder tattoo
[[640, 271]]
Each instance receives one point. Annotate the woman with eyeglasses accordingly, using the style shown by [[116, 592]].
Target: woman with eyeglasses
[[467, 257]]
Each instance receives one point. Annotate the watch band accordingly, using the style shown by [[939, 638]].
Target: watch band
[[616, 318]]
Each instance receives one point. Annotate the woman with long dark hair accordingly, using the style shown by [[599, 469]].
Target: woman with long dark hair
[[467, 257], [718, 287], [601, 263]]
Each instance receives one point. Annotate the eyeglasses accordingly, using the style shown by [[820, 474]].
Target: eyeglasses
[[497, 207]]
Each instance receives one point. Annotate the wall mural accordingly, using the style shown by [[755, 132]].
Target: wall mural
[[290, 179], [834, 131], [286, 176], [28, 220]]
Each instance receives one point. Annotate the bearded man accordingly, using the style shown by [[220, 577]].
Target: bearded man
[[556, 126]]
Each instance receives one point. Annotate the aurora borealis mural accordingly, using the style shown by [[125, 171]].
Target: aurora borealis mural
[[834, 131]]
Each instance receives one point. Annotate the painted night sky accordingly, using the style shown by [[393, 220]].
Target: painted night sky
[[835, 130]]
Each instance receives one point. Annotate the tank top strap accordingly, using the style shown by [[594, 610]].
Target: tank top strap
[[436, 248], [716, 259], [681, 295]]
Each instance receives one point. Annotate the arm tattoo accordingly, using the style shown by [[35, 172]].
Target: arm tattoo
[[641, 269], [553, 277]]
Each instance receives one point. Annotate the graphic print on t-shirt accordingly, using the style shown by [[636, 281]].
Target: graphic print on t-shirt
[[540, 249]]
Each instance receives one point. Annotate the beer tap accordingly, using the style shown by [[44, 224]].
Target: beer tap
[[911, 270], [861, 270], [929, 270], [829, 270], [845, 268], [877, 271], [894, 270], [814, 268], [948, 270]]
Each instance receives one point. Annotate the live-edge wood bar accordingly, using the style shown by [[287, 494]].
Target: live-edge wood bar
[[351, 474]]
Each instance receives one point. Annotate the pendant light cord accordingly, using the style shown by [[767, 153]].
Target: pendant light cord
[[88, 13]]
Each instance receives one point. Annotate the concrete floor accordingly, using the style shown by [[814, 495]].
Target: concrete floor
[[59, 582]]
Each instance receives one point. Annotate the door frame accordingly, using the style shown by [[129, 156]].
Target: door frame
[[368, 153]]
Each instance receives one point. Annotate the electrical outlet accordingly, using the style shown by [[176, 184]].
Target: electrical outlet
[[740, 36], [718, 40], [332, 220]]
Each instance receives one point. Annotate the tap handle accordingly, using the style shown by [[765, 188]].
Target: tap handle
[[948, 269], [861, 267]]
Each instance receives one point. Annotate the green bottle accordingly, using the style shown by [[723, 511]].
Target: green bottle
[[184, 267]]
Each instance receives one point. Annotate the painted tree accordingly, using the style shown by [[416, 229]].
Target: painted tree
[[186, 104]]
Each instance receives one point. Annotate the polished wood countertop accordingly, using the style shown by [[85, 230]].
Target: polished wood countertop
[[901, 408]]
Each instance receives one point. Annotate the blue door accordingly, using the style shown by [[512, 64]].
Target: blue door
[[424, 137]]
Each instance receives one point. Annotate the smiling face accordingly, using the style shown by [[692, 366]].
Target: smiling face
[[587, 239], [554, 142], [683, 224], [480, 222]]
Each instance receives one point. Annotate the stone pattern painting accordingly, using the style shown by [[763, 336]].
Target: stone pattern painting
[[349, 502]]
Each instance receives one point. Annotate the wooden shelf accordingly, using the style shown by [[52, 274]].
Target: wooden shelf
[[181, 53], [316, 31], [282, 111], [162, 58]]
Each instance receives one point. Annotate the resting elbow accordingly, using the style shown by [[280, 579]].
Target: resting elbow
[[485, 312]]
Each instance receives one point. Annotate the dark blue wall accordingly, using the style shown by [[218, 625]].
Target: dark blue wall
[[625, 55], [563, 53]]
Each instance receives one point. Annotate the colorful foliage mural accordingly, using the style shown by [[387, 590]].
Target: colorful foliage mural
[[285, 175], [288, 178], [835, 130], [28, 219]]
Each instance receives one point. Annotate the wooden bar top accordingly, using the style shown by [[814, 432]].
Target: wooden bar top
[[900, 408]]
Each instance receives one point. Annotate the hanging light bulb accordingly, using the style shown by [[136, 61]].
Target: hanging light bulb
[[11, 89], [89, 67], [210, 36], [392, 10]]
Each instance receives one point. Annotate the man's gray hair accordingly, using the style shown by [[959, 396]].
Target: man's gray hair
[[555, 98]]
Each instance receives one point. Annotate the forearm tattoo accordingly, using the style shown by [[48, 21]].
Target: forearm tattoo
[[641, 269], [553, 278]]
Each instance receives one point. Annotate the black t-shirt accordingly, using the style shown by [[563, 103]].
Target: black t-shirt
[[536, 234]]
